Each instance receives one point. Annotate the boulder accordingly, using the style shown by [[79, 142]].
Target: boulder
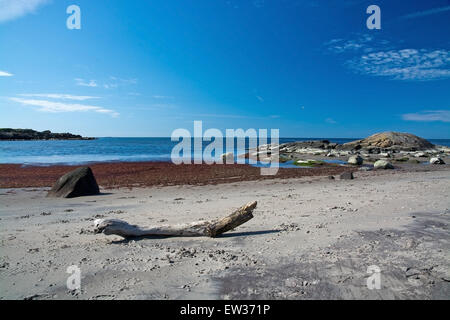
[[355, 160], [228, 157], [383, 164], [347, 176], [436, 160], [77, 183]]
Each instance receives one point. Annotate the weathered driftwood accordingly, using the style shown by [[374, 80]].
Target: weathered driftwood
[[194, 229]]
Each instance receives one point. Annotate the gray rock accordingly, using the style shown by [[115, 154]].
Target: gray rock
[[355, 160], [228, 158], [436, 160], [383, 164], [420, 155], [77, 183], [347, 176]]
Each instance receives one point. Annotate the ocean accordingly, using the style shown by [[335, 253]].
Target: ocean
[[76, 152]]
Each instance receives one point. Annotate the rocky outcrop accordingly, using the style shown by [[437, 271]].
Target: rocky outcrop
[[77, 183], [28, 134], [394, 146], [389, 141], [313, 144]]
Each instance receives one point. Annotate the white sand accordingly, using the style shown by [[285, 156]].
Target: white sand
[[310, 238]]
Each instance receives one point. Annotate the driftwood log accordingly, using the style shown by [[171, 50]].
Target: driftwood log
[[194, 229]]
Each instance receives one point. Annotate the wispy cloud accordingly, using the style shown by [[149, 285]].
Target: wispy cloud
[[406, 64], [330, 121], [58, 107], [84, 83], [342, 45], [58, 96], [425, 13], [115, 82], [110, 83], [162, 97], [4, 73], [428, 116], [261, 99], [366, 55], [13, 9]]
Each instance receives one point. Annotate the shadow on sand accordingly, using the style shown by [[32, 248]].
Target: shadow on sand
[[226, 235]]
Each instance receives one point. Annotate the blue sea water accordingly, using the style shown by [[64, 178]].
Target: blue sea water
[[110, 150]]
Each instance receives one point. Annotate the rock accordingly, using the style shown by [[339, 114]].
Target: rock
[[436, 160], [347, 176], [228, 157], [383, 164], [420, 155], [385, 155], [331, 177], [77, 183], [390, 141], [355, 160]]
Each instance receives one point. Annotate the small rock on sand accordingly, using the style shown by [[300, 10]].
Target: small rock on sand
[[355, 160], [347, 176], [383, 164], [436, 160]]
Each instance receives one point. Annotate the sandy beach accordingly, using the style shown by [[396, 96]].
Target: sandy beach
[[311, 237]]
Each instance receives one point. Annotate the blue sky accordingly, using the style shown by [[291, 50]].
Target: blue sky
[[145, 68]]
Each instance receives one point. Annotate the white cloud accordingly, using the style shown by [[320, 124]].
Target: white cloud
[[13, 9], [58, 96], [5, 74], [56, 107], [366, 55], [330, 121], [406, 64], [428, 116], [425, 13], [83, 83]]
